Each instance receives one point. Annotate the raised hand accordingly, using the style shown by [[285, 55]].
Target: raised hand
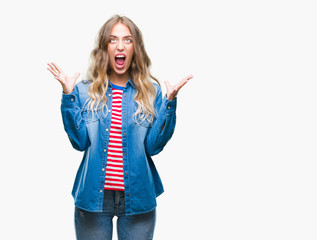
[[68, 83], [171, 91]]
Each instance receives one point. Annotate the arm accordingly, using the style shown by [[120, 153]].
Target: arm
[[164, 124], [74, 124]]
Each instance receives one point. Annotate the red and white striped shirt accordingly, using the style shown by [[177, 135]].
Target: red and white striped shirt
[[114, 170]]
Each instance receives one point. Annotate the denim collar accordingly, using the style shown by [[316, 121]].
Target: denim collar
[[129, 82]]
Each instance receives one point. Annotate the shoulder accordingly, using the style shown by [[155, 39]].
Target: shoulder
[[82, 91], [82, 86], [157, 88]]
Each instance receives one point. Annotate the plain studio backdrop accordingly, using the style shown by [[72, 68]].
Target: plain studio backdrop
[[242, 162]]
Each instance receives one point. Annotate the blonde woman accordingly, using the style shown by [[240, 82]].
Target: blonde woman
[[119, 118]]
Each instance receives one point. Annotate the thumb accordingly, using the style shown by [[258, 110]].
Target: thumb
[[167, 84], [76, 76]]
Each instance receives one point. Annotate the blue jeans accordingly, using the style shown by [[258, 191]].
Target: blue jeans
[[98, 225]]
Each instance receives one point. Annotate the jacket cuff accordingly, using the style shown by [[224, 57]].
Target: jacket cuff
[[69, 100], [170, 106]]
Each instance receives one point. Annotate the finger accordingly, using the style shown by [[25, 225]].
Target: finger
[[167, 84], [76, 76], [59, 79], [183, 82], [52, 71], [189, 77], [53, 68], [186, 79], [59, 70]]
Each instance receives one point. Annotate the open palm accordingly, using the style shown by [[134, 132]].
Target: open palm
[[68, 83], [172, 90]]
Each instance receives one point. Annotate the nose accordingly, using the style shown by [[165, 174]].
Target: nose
[[120, 46]]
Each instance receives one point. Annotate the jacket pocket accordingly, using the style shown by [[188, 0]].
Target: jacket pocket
[[144, 123], [91, 116]]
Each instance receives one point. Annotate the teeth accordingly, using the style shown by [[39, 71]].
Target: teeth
[[120, 56]]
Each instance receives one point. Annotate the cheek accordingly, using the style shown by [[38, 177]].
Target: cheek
[[131, 53], [110, 52]]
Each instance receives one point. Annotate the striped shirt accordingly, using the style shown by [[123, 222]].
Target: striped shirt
[[114, 170]]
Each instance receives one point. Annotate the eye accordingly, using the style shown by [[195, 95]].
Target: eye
[[128, 40], [112, 40]]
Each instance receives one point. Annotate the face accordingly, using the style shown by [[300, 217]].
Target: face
[[120, 50]]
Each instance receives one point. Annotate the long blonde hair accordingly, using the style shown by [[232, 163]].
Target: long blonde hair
[[139, 72]]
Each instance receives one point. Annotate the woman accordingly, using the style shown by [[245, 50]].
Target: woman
[[119, 119]]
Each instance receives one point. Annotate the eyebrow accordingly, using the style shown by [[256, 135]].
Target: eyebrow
[[113, 36]]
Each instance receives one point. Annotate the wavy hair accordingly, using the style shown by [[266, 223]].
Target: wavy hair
[[139, 71]]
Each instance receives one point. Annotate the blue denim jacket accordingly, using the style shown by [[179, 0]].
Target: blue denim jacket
[[90, 133]]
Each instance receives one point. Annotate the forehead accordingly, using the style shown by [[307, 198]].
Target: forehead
[[119, 29]]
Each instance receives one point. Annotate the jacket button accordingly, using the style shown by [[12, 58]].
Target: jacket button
[[128, 194], [105, 150]]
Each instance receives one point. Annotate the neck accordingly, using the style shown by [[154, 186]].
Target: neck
[[119, 80]]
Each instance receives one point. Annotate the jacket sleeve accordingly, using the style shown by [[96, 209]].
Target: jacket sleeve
[[163, 125], [74, 124]]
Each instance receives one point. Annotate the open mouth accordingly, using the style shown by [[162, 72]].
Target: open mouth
[[120, 60]]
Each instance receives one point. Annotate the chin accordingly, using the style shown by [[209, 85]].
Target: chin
[[121, 72]]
